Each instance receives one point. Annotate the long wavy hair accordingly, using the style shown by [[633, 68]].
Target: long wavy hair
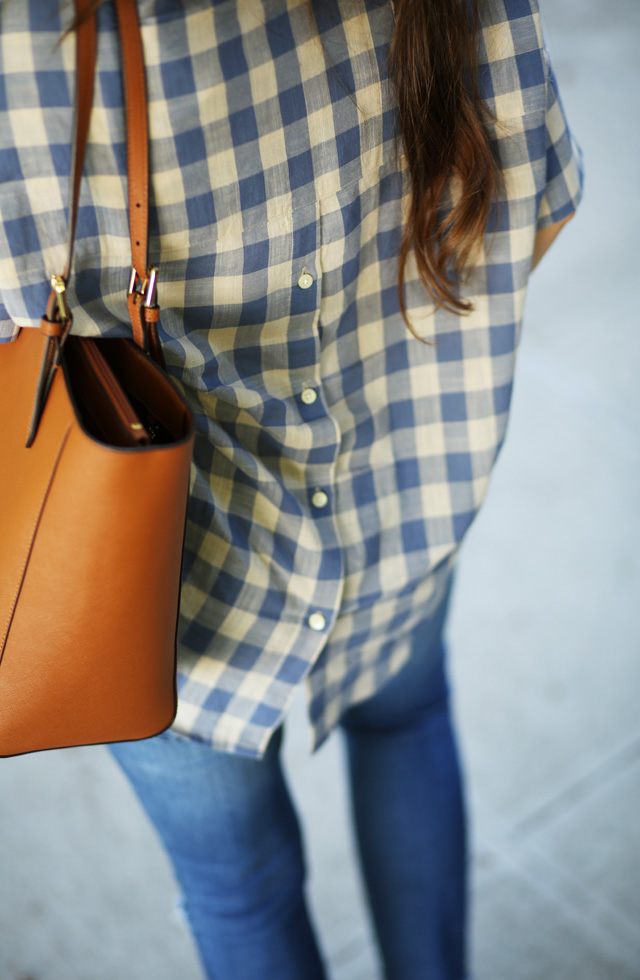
[[433, 68]]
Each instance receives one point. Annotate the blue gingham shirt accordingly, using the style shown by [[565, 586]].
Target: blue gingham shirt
[[339, 461]]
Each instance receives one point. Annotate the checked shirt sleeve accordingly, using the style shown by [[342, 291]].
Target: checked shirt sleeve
[[565, 174]]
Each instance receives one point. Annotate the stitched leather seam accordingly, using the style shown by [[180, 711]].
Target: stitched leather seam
[[5, 635]]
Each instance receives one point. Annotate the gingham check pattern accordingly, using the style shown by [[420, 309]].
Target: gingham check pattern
[[273, 159]]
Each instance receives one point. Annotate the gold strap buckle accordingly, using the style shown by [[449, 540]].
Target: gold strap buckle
[[60, 288], [145, 289]]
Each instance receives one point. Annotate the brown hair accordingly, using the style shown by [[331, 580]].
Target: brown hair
[[442, 121], [433, 67]]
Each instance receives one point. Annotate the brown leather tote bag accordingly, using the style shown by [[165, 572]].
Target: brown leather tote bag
[[95, 453]]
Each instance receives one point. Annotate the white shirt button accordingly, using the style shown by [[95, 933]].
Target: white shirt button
[[317, 621], [308, 396], [305, 280], [319, 499]]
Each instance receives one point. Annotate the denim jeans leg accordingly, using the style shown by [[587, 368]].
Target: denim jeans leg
[[409, 813], [231, 831]]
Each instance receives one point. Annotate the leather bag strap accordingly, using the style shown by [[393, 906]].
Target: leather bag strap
[[85, 78], [141, 299], [137, 133], [143, 309], [56, 322]]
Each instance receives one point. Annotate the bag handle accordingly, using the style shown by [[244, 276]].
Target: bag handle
[[85, 79], [141, 298], [143, 309]]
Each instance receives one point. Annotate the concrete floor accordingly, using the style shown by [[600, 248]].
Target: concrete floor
[[544, 639]]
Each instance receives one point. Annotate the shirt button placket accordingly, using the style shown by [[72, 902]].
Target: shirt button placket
[[316, 620]]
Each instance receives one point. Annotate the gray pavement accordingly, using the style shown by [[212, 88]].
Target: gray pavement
[[544, 639]]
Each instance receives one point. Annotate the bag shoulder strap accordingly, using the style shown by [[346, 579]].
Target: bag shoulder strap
[[85, 78], [143, 308], [141, 299], [137, 133], [57, 319]]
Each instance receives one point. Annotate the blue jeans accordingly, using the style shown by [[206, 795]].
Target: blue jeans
[[231, 831]]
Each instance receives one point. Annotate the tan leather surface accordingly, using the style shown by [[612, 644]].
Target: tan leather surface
[[137, 132], [52, 328], [24, 474], [143, 318]]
